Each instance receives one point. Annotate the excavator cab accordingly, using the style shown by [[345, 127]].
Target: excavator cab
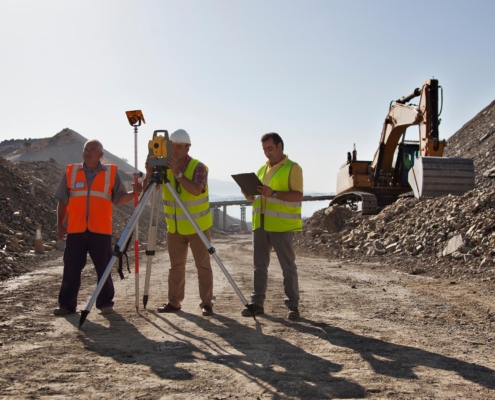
[[411, 153]]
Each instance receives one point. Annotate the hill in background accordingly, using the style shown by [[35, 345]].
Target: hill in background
[[65, 147], [476, 140]]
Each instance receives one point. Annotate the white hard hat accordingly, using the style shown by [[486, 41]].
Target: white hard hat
[[180, 136]]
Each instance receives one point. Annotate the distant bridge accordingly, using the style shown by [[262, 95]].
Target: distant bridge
[[241, 201]]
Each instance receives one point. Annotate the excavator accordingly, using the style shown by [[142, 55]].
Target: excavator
[[403, 167]]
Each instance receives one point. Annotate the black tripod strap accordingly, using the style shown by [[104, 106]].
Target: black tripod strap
[[124, 253]]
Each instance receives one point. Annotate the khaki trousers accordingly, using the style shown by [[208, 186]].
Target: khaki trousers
[[177, 249]]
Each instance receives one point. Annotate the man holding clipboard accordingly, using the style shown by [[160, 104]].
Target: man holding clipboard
[[276, 216]]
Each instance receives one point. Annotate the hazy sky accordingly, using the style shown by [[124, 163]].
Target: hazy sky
[[320, 73]]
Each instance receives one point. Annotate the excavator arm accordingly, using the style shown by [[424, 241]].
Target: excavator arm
[[402, 116], [430, 144], [432, 174]]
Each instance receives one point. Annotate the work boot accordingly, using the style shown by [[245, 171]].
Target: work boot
[[256, 309], [207, 311], [107, 310], [62, 311], [293, 313], [167, 308]]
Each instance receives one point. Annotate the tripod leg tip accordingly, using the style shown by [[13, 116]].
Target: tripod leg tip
[[250, 307], [84, 314]]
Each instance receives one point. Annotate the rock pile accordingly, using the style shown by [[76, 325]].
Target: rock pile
[[476, 140], [449, 235], [26, 199]]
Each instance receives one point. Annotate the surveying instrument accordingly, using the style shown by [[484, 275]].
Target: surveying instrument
[[160, 149]]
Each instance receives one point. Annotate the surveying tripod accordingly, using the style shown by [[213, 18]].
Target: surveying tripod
[[158, 178]]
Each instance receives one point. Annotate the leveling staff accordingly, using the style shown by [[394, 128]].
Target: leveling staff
[[189, 177], [86, 195]]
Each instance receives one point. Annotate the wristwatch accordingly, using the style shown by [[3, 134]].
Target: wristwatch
[[179, 175], [274, 194]]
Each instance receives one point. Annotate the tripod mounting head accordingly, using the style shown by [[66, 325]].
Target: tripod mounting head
[[159, 174]]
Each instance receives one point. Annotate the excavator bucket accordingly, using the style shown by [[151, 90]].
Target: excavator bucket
[[439, 176]]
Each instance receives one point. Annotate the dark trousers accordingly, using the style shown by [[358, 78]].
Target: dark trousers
[[281, 242], [77, 247]]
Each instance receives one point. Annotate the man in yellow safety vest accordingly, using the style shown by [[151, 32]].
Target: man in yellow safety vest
[[276, 216], [190, 179]]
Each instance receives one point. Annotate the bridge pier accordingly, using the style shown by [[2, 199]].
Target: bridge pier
[[243, 219], [220, 221], [216, 217], [224, 217]]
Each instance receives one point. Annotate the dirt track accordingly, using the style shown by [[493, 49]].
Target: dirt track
[[366, 331]]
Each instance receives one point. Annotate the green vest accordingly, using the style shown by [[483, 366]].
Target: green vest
[[198, 206], [280, 216]]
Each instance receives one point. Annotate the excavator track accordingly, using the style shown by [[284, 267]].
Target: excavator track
[[369, 202]]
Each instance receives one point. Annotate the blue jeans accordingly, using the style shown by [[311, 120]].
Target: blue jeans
[[281, 242], [78, 245]]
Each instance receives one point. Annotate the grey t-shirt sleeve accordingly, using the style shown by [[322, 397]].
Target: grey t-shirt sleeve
[[62, 191], [118, 189]]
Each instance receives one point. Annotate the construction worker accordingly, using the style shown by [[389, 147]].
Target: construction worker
[[276, 216], [189, 177], [86, 195]]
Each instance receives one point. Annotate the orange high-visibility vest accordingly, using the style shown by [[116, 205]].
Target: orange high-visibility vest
[[90, 209]]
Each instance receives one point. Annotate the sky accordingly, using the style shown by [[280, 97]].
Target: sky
[[320, 73]]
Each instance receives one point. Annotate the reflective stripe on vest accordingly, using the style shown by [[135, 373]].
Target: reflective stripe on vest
[[98, 218], [279, 216], [197, 206]]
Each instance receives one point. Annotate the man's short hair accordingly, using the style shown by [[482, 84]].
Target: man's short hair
[[274, 136], [98, 143]]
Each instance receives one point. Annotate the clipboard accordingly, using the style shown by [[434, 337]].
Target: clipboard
[[248, 182]]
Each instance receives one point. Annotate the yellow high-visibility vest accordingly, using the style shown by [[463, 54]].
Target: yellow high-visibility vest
[[279, 216], [198, 206]]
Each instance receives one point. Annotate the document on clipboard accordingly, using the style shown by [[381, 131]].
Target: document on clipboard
[[248, 182]]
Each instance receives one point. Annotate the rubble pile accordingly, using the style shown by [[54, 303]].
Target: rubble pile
[[449, 235], [26, 199], [445, 236]]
